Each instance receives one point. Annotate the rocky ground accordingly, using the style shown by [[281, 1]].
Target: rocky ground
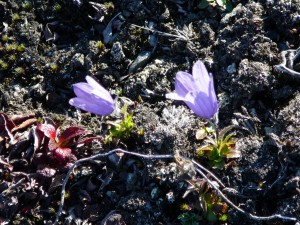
[[46, 46]]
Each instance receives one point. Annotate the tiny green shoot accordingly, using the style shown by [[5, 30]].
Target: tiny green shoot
[[122, 129], [27, 5], [100, 46], [57, 7], [217, 148], [19, 70], [16, 17]]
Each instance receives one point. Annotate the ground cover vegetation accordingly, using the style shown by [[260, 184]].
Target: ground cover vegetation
[[149, 112]]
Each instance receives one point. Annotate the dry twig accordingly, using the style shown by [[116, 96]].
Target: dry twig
[[199, 169]]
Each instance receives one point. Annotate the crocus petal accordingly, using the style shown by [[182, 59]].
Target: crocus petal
[[212, 95], [86, 91], [98, 90], [99, 107], [48, 130], [184, 83], [201, 77], [201, 105], [82, 90], [197, 91], [92, 97]]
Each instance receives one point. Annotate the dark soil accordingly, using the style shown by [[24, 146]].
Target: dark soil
[[46, 46]]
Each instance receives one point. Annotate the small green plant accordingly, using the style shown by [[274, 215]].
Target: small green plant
[[20, 48], [14, 48], [217, 148], [57, 7], [19, 70], [226, 4], [4, 38], [119, 92], [12, 58], [100, 46], [53, 67], [215, 209], [122, 128], [27, 5], [3, 65], [16, 17], [208, 204], [189, 218], [10, 47]]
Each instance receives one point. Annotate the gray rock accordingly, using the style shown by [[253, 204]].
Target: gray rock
[[140, 61]]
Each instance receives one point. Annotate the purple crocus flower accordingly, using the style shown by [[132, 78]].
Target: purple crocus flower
[[197, 91], [92, 97]]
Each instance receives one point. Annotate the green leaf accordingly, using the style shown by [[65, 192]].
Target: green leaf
[[224, 151], [220, 165], [214, 154], [223, 218]]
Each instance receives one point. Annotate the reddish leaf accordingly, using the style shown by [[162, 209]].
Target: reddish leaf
[[24, 124], [48, 130], [17, 119], [68, 134], [52, 145], [63, 154]]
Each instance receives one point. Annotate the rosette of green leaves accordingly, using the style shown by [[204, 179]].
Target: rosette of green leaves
[[217, 148]]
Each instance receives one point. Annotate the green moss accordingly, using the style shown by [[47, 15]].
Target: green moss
[[27, 5], [57, 7], [20, 48], [3, 65], [19, 70], [53, 67], [10, 47], [16, 17], [12, 58], [100, 46], [4, 38]]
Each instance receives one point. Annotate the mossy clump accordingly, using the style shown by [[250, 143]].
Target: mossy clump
[[3, 65], [57, 7], [27, 5], [100, 46], [16, 17], [19, 70]]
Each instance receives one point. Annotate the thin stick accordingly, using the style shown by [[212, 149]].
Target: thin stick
[[62, 195], [161, 33], [254, 217], [207, 171]]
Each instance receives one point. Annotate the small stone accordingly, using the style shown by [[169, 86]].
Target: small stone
[[117, 52], [140, 61], [78, 60], [170, 197], [231, 68], [154, 193]]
